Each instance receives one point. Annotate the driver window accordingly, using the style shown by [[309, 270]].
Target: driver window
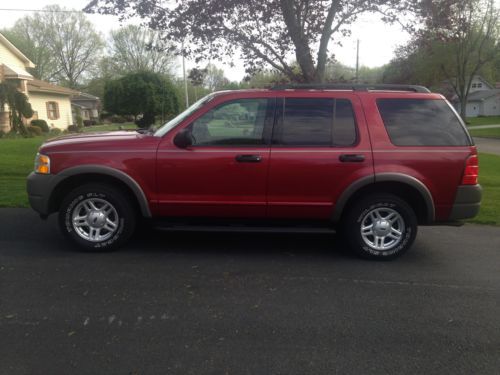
[[237, 122]]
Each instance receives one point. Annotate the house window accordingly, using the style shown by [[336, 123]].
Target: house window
[[479, 85], [474, 85], [52, 110]]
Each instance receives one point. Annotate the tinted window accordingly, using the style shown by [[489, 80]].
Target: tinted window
[[237, 122], [344, 126], [414, 122], [317, 122]]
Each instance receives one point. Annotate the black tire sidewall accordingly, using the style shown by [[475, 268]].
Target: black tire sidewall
[[359, 212], [123, 208]]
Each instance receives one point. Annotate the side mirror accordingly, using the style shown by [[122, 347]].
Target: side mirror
[[183, 139]]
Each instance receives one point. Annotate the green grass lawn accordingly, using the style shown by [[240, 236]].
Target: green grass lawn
[[485, 133], [489, 178], [489, 120], [109, 127], [17, 155]]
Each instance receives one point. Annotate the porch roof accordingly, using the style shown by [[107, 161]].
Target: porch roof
[[14, 72]]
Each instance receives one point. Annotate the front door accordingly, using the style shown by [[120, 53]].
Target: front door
[[224, 172]]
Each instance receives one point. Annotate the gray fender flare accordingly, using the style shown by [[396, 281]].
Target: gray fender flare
[[385, 177], [112, 172]]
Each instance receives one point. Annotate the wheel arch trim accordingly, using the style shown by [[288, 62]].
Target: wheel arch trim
[[112, 172], [385, 177]]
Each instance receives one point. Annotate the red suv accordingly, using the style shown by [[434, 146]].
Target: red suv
[[372, 162]]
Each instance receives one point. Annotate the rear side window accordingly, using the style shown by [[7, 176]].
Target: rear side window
[[317, 122], [417, 122]]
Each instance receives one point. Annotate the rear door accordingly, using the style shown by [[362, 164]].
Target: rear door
[[320, 145]]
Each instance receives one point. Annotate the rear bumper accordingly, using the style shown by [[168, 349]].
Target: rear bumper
[[39, 187], [467, 202]]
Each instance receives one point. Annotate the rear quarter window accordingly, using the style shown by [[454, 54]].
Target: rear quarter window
[[422, 122]]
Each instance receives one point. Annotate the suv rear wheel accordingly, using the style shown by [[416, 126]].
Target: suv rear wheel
[[381, 226], [97, 217]]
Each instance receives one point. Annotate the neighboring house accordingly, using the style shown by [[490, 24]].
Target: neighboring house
[[49, 102], [89, 106], [483, 99]]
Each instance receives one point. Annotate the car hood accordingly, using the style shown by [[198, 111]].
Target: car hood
[[94, 141]]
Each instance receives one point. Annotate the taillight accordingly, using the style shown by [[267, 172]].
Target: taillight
[[471, 171]]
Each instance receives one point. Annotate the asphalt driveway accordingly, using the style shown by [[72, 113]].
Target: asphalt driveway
[[216, 303], [488, 145]]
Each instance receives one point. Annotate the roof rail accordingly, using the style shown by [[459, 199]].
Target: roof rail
[[353, 87]]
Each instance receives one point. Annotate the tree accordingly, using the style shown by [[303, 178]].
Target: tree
[[29, 36], [196, 77], [264, 32], [133, 49], [144, 93], [454, 46], [214, 78], [62, 43], [471, 37], [74, 42], [417, 63], [18, 105]]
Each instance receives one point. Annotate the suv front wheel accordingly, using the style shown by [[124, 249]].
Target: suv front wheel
[[97, 217], [381, 226]]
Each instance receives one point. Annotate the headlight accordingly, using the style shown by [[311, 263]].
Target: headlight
[[42, 164]]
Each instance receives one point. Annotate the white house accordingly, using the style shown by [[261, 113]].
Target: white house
[[483, 100], [49, 102]]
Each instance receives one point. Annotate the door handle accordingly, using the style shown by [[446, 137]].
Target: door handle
[[352, 158], [248, 158]]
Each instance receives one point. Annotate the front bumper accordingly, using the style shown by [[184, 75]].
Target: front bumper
[[467, 202], [39, 187]]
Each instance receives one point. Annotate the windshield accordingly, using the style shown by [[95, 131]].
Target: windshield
[[181, 116]]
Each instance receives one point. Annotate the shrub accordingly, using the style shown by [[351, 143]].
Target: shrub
[[118, 119], [34, 130], [79, 121], [146, 120], [87, 122], [42, 124], [55, 131], [74, 129]]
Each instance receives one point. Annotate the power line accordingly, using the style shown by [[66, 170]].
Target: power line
[[40, 10]]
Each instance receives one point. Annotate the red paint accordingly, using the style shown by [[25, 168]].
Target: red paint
[[289, 182]]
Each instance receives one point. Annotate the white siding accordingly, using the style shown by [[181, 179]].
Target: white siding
[[478, 84], [8, 58], [472, 109], [39, 104], [491, 106]]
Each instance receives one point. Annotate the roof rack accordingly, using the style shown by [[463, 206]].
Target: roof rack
[[353, 87]]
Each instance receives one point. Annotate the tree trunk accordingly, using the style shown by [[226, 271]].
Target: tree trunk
[[302, 49], [463, 107]]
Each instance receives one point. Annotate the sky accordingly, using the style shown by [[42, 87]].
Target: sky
[[377, 39]]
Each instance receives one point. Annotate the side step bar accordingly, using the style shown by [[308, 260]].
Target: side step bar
[[245, 229]]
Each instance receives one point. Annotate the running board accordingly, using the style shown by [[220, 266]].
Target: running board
[[245, 229]]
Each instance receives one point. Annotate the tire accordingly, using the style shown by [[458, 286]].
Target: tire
[[395, 227], [97, 217]]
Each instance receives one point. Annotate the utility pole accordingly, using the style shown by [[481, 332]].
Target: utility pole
[[184, 76], [357, 61]]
